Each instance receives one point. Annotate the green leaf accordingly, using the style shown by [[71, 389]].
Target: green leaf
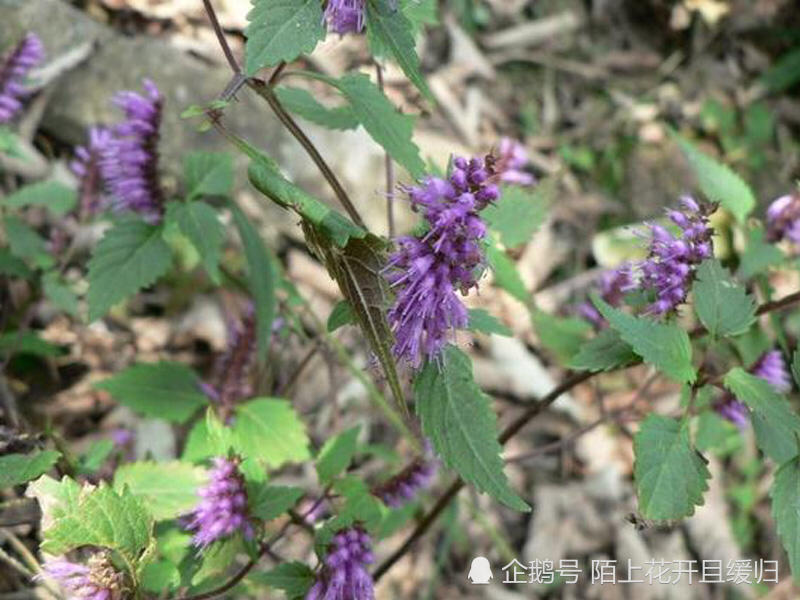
[[261, 275], [169, 489], [506, 275], [268, 429], [268, 502], [200, 223], [341, 315], [458, 419], [723, 306], [165, 390], [604, 352], [55, 197], [670, 475], [563, 336], [718, 182], [25, 243], [775, 424], [796, 367], [281, 30], [664, 345], [785, 494], [95, 456], [19, 468], [132, 255], [302, 103], [360, 506], [387, 126], [59, 293], [336, 454], [159, 576], [27, 343], [390, 28], [784, 72], [9, 143], [12, 266], [207, 174], [716, 434], [519, 212], [102, 517], [482, 322], [294, 578], [758, 255]]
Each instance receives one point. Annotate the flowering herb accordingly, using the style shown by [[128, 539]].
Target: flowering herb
[[87, 166], [13, 70], [404, 486], [96, 580], [344, 574], [511, 163], [783, 219], [345, 16]]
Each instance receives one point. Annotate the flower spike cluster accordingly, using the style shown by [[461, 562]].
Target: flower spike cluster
[[612, 286], [344, 574], [402, 488], [13, 70], [345, 16], [223, 509], [511, 163], [96, 580], [87, 167], [426, 270], [232, 369], [783, 219], [130, 159]]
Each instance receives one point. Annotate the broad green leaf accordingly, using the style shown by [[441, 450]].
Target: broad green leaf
[[336, 454], [27, 343], [302, 103], [360, 506], [59, 293], [519, 212], [281, 30], [165, 390], [208, 437], [796, 367], [200, 223], [293, 578], [268, 502], [132, 255], [269, 430], [207, 174], [785, 494], [95, 456], [723, 306], [55, 498], [342, 314], [9, 143], [168, 489], [26, 243], [664, 345], [604, 352], [563, 336], [758, 255], [506, 275], [19, 468], [159, 576], [55, 197], [216, 562], [12, 266], [718, 182], [458, 419], [420, 12], [261, 275], [784, 72], [716, 434], [670, 475], [482, 322], [391, 29], [776, 425]]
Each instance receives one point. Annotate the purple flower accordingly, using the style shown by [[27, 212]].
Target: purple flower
[[344, 574], [130, 159], [13, 70], [512, 161], [612, 286], [735, 411], [232, 369], [783, 219], [223, 508], [97, 580], [345, 16], [87, 167], [427, 270], [669, 270], [402, 488]]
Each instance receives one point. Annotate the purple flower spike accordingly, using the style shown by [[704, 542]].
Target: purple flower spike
[[223, 508], [13, 70], [344, 574], [512, 162], [87, 167], [426, 271], [612, 286], [735, 411], [130, 161], [97, 580], [771, 368], [402, 488], [232, 369], [783, 219], [345, 16]]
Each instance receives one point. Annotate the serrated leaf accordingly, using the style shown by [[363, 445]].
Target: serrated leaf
[[563, 336], [268, 502], [519, 212], [55, 197], [261, 276], [200, 223], [281, 30], [716, 434], [341, 315], [670, 475], [269, 430], [390, 28], [758, 255], [785, 495], [159, 576], [336, 454], [723, 306], [458, 419], [169, 489], [165, 390], [19, 468], [604, 352], [506, 275], [59, 293], [55, 498], [294, 578], [302, 103], [664, 345], [718, 182], [482, 322], [207, 174], [132, 255], [775, 424], [26, 243]]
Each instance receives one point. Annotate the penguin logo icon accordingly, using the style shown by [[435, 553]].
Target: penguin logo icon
[[480, 572]]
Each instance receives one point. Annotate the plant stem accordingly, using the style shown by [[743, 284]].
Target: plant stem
[[223, 42], [389, 171]]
